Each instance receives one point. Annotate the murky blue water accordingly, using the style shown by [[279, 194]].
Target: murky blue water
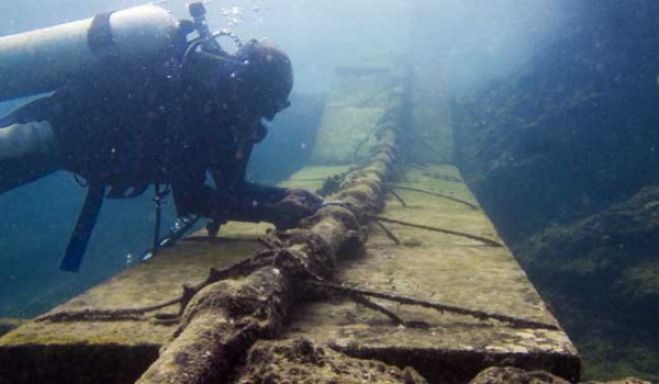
[[556, 54]]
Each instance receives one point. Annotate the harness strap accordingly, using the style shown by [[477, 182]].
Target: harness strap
[[158, 199], [99, 35], [83, 229]]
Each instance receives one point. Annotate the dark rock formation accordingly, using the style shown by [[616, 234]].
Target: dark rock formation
[[609, 256], [301, 361], [512, 375], [575, 129], [563, 156]]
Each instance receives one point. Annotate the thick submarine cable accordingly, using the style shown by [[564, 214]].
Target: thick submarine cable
[[224, 319]]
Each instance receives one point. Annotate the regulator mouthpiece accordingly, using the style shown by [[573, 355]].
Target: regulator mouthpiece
[[197, 9], [198, 12]]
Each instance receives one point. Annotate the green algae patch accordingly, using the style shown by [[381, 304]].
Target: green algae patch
[[299, 360], [342, 135], [126, 333], [641, 359], [641, 282], [431, 130]]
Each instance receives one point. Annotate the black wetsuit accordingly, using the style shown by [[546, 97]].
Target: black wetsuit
[[158, 127], [162, 125]]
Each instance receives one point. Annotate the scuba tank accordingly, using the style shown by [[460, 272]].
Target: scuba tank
[[45, 59]]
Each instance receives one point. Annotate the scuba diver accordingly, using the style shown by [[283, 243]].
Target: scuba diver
[[169, 120]]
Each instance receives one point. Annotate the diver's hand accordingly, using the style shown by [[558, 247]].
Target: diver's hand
[[296, 205], [304, 197]]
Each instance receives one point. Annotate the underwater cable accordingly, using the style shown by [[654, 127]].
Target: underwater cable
[[483, 240], [481, 315], [455, 199]]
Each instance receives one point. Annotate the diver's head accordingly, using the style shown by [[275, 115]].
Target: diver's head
[[265, 78]]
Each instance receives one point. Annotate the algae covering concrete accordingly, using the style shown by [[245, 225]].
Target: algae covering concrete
[[119, 351], [355, 104], [7, 325], [453, 270], [430, 130], [312, 178]]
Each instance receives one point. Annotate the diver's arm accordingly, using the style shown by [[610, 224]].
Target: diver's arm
[[242, 202], [252, 198], [193, 197], [28, 149], [281, 206]]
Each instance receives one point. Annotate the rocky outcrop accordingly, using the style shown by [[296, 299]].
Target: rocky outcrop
[[562, 155], [601, 275], [301, 361], [512, 375], [571, 132], [610, 255]]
